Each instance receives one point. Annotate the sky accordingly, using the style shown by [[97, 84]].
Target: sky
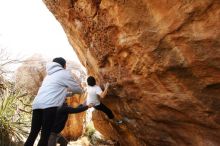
[[28, 27]]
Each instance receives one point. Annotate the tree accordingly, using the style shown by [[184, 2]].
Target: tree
[[30, 74]]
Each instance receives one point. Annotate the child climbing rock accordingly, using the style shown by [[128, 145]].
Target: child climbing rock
[[94, 93]]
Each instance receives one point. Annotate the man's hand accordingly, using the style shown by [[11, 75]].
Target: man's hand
[[69, 94], [83, 84]]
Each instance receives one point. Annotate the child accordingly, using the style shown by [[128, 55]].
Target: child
[[94, 92]]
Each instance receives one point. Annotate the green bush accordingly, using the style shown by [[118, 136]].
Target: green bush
[[90, 130], [14, 116], [94, 137]]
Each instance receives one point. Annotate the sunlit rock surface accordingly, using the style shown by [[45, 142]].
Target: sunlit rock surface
[[162, 59]]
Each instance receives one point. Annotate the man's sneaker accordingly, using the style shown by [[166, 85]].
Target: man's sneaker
[[118, 122]]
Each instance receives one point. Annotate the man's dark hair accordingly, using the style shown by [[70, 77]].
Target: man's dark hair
[[60, 60], [91, 81]]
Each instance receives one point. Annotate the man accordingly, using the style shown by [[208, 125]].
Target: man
[[50, 96], [61, 118]]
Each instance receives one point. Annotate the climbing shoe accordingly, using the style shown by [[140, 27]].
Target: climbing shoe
[[118, 122]]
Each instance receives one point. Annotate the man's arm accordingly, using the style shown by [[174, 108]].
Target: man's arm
[[72, 84], [71, 110]]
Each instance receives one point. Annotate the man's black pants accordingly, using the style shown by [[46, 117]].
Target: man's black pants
[[42, 119], [57, 138], [105, 109]]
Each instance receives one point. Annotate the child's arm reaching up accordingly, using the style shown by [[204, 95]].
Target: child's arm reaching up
[[103, 94]]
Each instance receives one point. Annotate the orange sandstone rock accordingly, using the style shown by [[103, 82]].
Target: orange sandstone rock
[[162, 59]]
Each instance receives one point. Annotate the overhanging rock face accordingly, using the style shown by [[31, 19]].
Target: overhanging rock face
[[162, 59]]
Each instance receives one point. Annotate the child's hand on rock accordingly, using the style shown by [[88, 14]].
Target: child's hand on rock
[[107, 85]]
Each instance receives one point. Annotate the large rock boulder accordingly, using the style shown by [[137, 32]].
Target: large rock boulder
[[162, 59]]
